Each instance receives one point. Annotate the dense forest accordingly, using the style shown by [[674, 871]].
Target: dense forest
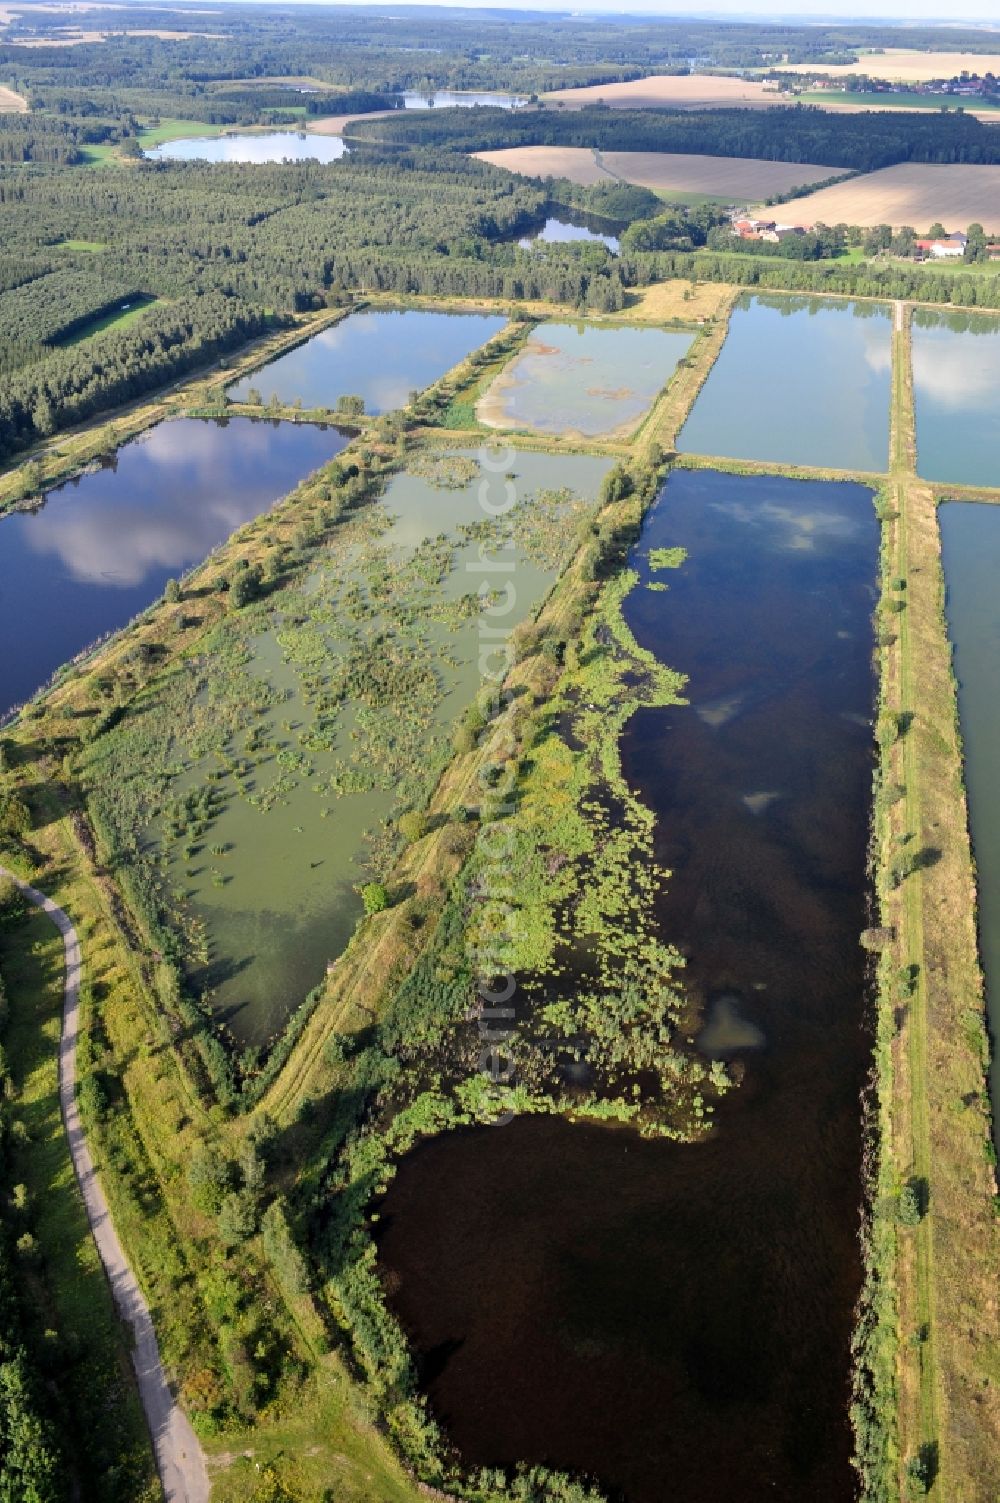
[[53, 308], [119, 365], [799, 133]]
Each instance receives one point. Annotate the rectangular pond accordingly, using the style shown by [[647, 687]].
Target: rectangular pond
[[274, 764], [100, 548], [583, 380], [380, 356], [800, 380], [970, 549], [956, 382], [649, 1309]]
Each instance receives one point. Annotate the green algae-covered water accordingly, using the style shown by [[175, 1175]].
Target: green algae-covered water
[[583, 379], [355, 682], [800, 380]]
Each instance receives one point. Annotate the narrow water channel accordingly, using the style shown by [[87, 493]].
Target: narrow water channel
[[675, 1320], [970, 547]]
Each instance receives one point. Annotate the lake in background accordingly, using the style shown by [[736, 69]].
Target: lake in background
[[799, 381], [970, 549], [956, 393], [675, 1320], [380, 356], [450, 99], [568, 225], [270, 146], [102, 546], [584, 379]]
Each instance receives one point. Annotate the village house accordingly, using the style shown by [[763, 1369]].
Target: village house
[[753, 229], [952, 247]]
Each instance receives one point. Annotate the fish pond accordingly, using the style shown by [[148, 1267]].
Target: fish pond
[[970, 545], [100, 548], [274, 764], [267, 146], [382, 357], [799, 381], [583, 379], [638, 1309], [956, 378]]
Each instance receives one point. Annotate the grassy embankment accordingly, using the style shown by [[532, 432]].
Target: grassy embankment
[[948, 1263]]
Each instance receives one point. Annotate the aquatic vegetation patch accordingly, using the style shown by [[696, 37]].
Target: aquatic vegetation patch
[[444, 471], [252, 790]]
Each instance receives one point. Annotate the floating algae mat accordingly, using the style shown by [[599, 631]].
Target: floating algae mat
[[272, 762], [582, 379]]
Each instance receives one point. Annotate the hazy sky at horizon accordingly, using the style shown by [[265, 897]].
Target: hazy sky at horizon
[[976, 12]]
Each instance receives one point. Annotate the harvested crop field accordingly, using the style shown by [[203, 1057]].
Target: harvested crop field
[[911, 193], [726, 178], [904, 66], [690, 92], [578, 163], [11, 103], [73, 36], [335, 125], [664, 301]]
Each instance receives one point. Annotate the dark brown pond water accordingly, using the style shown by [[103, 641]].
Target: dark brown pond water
[[675, 1320]]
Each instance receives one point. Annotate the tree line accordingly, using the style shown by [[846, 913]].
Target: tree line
[[119, 365], [799, 133], [31, 1467], [861, 280], [38, 138]]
